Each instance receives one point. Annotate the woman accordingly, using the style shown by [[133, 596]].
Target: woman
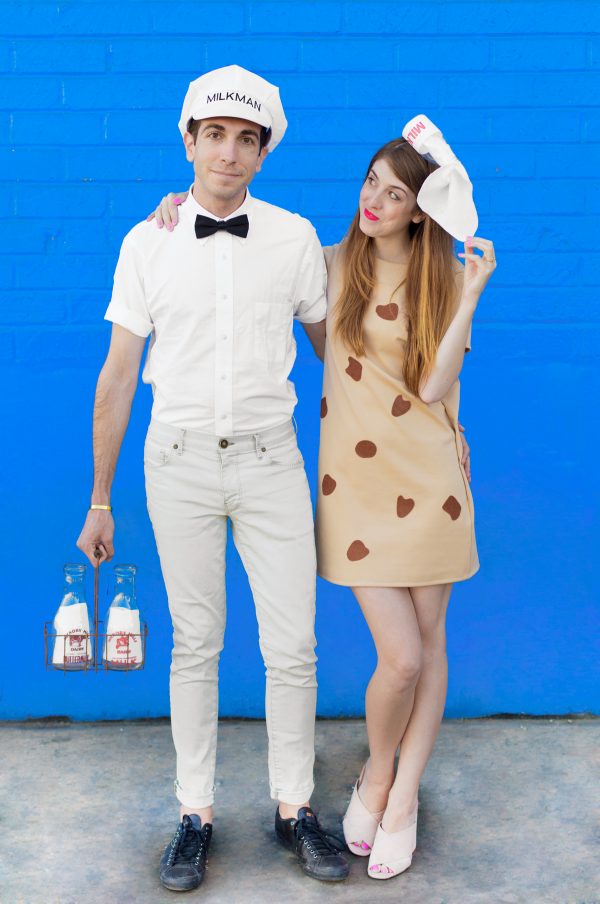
[[394, 509]]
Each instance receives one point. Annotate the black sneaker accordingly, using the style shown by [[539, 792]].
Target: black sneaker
[[184, 860], [318, 851]]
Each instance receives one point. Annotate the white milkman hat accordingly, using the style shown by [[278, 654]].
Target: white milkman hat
[[233, 91], [447, 193]]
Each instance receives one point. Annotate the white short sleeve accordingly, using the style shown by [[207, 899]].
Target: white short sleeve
[[128, 302], [310, 296]]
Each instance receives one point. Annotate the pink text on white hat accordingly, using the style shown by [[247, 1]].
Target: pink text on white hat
[[414, 132]]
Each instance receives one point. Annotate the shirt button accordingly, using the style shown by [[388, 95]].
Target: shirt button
[[224, 296], [223, 376], [223, 443], [224, 336]]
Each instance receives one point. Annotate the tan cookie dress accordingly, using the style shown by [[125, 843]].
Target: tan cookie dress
[[394, 508]]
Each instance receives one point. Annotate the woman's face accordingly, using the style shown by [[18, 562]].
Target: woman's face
[[386, 204]]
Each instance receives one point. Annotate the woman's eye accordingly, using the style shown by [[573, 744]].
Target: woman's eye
[[394, 196], [370, 180]]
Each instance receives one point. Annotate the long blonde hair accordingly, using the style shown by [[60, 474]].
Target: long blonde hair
[[430, 285]]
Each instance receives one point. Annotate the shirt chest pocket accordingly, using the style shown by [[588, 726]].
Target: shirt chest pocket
[[272, 331]]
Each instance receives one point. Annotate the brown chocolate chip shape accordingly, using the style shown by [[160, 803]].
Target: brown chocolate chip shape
[[328, 485], [323, 406], [452, 506], [365, 449], [400, 406], [387, 311], [354, 369], [357, 551], [404, 506]]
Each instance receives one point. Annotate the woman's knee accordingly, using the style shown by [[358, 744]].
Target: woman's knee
[[402, 670]]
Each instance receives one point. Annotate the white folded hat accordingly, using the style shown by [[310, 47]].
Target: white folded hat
[[233, 91], [447, 193]]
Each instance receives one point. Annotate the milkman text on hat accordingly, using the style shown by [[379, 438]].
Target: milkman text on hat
[[233, 91]]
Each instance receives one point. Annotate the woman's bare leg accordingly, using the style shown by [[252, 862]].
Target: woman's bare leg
[[423, 726], [390, 615]]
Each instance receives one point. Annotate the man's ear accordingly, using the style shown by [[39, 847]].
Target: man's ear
[[261, 157], [190, 144]]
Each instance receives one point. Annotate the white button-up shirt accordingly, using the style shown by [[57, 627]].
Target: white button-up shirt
[[221, 311]]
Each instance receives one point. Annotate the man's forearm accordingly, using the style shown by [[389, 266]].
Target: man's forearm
[[112, 408]]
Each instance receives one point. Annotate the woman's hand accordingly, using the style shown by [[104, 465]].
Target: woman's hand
[[478, 269], [466, 453], [166, 212]]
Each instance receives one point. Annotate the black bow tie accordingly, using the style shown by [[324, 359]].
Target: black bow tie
[[207, 226]]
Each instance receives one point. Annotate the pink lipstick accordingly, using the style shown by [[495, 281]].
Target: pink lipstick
[[369, 215]]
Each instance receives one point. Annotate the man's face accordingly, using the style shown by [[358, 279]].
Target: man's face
[[225, 155]]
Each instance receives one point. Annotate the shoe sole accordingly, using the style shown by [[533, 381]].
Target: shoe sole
[[165, 884], [324, 878], [282, 841]]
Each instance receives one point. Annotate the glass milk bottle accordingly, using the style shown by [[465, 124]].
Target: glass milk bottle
[[123, 628], [72, 645]]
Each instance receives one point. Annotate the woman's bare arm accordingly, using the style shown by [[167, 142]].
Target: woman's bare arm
[[451, 351]]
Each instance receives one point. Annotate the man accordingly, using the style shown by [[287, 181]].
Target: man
[[218, 297]]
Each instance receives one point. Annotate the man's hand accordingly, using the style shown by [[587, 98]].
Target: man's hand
[[98, 531], [466, 453]]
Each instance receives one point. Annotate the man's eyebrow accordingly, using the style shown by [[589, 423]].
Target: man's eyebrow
[[216, 125]]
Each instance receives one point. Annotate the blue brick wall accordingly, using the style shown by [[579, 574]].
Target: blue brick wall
[[90, 96]]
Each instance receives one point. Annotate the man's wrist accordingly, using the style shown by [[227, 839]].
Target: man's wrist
[[100, 497]]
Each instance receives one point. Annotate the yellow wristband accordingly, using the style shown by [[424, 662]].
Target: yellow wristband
[[104, 508]]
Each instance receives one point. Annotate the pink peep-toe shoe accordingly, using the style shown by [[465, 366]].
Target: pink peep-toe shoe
[[392, 852], [359, 824]]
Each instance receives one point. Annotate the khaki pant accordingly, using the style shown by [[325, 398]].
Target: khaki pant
[[194, 483]]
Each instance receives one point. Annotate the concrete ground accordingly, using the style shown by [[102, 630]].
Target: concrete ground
[[509, 813]]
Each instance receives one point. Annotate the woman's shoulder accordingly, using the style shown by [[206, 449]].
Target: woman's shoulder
[[333, 255]]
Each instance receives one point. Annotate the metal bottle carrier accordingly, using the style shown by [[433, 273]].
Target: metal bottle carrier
[[96, 639]]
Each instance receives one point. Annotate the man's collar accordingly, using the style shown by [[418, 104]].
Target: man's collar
[[190, 208]]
